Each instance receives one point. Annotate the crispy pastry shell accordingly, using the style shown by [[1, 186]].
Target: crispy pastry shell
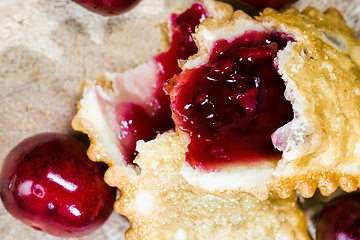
[[321, 73]]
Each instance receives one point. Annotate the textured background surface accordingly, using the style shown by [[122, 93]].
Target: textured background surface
[[48, 47]]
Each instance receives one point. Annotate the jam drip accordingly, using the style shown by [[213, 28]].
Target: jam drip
[[231, 106], [135, 120]]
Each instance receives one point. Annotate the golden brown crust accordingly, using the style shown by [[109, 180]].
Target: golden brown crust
[[254, 179], [320, 145], [331, 23], [160, 203], [322, 77], [327, 77], [172, 207], [91, 112]]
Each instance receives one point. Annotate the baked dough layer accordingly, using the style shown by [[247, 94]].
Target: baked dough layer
[[156, 198], [322, 75], [160, 204], [321, 72]]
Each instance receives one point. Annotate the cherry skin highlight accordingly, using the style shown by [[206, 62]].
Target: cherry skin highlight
[[340, 219], [48, 183], [108, 7]]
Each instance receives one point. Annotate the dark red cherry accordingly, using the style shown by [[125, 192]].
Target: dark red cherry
[[340, 219], [108, 7], [48, 183], [261, 4]]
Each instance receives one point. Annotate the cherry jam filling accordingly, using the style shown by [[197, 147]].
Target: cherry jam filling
[[231, 106], [136, 123]]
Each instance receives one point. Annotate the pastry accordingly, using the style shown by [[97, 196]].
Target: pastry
[[271, 103], [161, 204], [45, 55], [158, 201]]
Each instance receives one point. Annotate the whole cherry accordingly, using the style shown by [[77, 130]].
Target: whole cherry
[[261, 4], [108, 7], [48, 183], [340, 219]]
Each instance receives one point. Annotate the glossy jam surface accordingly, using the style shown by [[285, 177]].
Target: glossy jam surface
[[340, 219], [48, 183], [108, 7], [135, 122], [231, 105]]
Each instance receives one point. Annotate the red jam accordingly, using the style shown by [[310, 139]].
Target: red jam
[[136, 123], [231, 106]]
